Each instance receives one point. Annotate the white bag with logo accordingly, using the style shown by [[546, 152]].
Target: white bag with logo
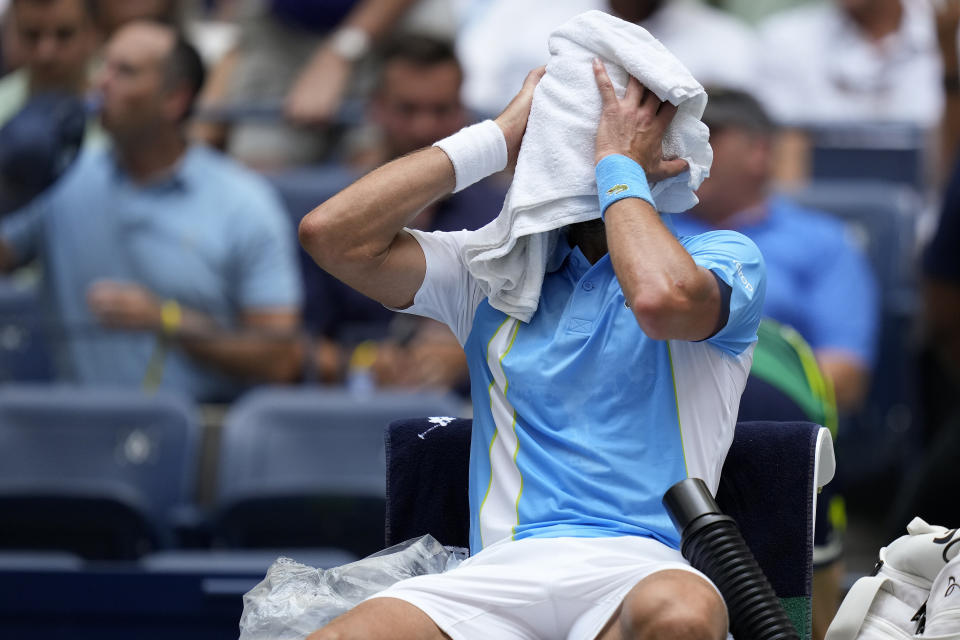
[[911, 596]]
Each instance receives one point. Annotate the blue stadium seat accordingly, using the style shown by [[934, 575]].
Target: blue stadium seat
[[25, 354], [304, 467], [238, 562], [882, 217], [887, 152], [103, 473], [303, 188]]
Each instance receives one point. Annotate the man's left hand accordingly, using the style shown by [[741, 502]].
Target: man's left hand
[[124, 305], [633, 126]]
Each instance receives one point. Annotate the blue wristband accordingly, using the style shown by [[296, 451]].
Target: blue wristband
[[619, 177]]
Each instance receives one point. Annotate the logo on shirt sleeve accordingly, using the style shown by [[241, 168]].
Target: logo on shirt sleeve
[[743, 278]]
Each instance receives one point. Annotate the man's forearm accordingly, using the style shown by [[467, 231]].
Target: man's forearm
[[271, 354], [249, 355], [671, 297]]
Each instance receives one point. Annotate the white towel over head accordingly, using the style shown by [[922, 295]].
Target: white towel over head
[[554, 183]]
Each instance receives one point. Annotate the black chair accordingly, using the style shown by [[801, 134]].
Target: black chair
[[768, 485]]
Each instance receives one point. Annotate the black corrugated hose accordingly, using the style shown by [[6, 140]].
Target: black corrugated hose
[[711, 542]]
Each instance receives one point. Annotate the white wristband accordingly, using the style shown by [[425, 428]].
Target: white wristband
[[476, 152]]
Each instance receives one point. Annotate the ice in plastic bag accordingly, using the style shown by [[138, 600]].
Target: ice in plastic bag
[[294, 600]]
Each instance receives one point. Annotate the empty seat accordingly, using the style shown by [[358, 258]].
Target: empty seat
[[890, 152], [98, 472], [304, 467], [24, 335]]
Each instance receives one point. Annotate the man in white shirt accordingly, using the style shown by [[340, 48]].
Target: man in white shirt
[[851, 61], [716, 47]]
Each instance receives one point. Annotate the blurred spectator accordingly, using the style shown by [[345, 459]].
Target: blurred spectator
[[820, 283], [716, 47], [166, 264], [416, 100], [416, 103], [113, 14], [948, 36], [56, 40], [753, 11], [500, 41], [9, 55], [276, 37], [853, 61]]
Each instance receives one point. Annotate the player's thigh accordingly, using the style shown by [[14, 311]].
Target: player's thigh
[[381, 619], [670, 603]]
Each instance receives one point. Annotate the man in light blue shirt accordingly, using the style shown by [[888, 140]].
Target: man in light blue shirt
[[167, 265], [625, 380]]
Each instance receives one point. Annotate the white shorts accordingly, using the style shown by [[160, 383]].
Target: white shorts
[[538, 587]]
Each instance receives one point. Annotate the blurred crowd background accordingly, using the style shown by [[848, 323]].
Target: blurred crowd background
[[156, 157]]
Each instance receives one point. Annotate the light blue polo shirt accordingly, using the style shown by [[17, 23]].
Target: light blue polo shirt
[[213, 236], [581, 421]]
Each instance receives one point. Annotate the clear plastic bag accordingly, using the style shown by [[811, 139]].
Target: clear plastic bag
[[294, 600]]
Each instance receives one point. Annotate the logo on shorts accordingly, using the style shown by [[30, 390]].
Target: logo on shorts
[[617, 188]]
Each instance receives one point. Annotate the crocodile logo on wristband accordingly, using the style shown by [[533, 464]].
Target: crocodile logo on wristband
[[617, 188]]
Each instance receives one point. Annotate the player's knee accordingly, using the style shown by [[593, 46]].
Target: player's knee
[[327, 633], [672, 623], [662, 615]]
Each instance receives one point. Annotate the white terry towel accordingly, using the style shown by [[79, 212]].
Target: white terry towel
[[554, 184]]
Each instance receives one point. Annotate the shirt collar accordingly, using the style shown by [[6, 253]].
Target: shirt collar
[[178, 178]]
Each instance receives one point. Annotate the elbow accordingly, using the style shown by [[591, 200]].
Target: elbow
[[654, 323], [314, 234], [657, 309]]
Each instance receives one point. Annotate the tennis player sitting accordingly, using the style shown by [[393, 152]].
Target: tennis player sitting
[[624, 379]]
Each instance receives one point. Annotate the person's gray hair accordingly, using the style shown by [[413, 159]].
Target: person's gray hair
[[736, 109]]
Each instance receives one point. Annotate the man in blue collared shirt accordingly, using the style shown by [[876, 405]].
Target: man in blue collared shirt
[[167, 264]]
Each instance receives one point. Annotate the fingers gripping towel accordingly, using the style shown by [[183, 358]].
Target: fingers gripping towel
[[554, 183]]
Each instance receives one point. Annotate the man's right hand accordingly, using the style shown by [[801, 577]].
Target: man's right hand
[[634, 125], [513, 120]]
